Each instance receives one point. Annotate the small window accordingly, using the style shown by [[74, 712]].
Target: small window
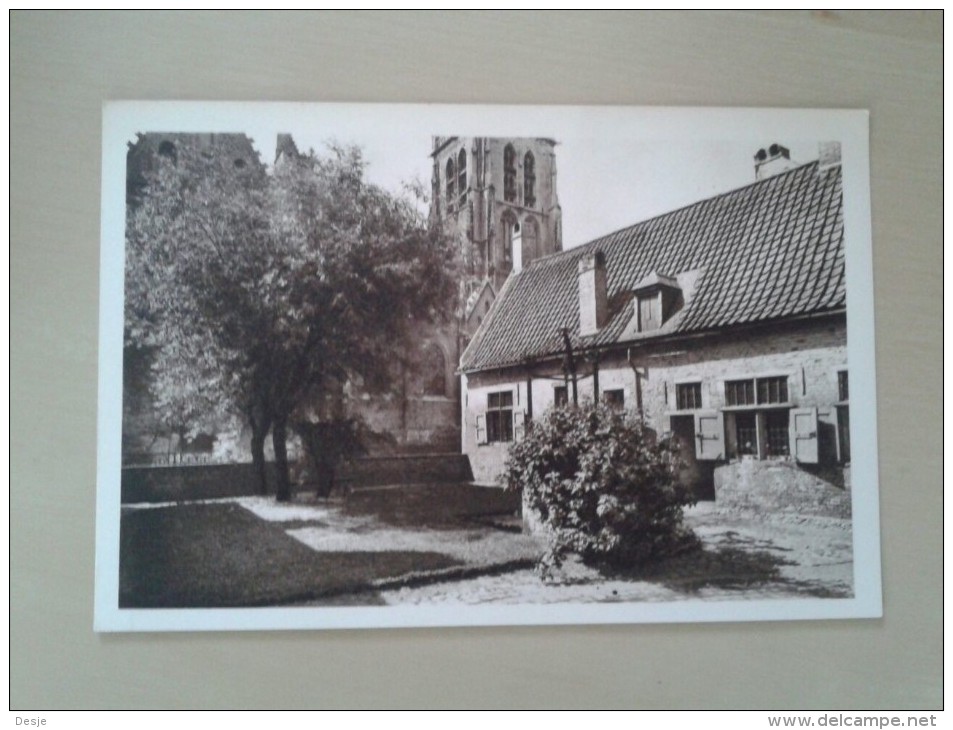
[[560, 396], [650, 313], [462, 173], [509, 174], [451, 182], [614, 398], [688, 396], [739, 393], [760, 391], [510, 229], [773, 390], [499, 417], [843, 393], [529, 180]]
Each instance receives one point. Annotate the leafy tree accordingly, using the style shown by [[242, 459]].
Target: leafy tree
[[298, 280], [601, 486]]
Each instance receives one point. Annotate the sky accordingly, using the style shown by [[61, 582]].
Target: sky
[[602, 185]]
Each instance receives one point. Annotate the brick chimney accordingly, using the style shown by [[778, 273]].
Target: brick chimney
[[771, 161], [828, 155], [593, 295]]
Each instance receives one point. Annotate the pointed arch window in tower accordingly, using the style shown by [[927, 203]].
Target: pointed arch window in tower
[[434, 370], [462, 174], [529, 180], [510, 229], [509, 174], [451, 183]]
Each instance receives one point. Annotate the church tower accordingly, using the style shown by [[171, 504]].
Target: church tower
[[500, 195]]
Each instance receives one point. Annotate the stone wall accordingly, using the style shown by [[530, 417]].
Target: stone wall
[[174, 483], [808, 353], [782, 486], [421, 468], [214, 481]]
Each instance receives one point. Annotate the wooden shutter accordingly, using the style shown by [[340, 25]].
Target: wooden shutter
[[803, 429], [481, 429], [709, 435], [519, 425]]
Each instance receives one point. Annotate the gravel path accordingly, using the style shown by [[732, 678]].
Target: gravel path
[[747, 556], [813, 558]]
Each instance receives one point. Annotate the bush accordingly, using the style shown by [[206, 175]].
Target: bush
[[602, 486]]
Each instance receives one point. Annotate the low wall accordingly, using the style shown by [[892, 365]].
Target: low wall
[[406, 469], [213, 481], [783, 486], [184, 482]]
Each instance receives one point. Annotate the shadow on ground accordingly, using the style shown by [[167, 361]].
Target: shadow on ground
[[694, 570], [441, 506], [221, 555]]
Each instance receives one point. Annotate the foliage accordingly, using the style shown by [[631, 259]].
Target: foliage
[[601, 485], [326, 445], [272, 289]]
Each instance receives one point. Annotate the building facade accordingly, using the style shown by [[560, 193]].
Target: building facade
[[722, 323]]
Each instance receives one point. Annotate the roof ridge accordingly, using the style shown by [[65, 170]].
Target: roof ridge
[[769, 250], [660, 216]]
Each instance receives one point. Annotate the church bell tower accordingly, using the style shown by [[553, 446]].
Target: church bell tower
[[500, 196]]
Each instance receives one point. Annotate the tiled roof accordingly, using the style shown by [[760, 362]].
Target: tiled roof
[[767, 251]]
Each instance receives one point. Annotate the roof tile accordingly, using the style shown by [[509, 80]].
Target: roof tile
[[768, 250]]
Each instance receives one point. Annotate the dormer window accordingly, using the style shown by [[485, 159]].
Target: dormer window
[[657, 297]]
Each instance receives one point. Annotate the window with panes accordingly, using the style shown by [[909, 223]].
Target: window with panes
[[757, 391], [688, 396], [499, 416]]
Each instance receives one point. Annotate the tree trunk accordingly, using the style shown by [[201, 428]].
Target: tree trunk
[[279, 438], [260, 422], [258, 457]]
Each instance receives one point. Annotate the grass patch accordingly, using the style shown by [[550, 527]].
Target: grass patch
[[435, 506], [220, 555]]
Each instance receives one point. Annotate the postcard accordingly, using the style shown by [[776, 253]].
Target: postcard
[[418, 365]]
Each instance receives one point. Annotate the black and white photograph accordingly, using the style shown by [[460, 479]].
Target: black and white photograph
[[397, 365]]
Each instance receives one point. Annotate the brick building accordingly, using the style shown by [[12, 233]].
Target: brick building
[[723, 322]]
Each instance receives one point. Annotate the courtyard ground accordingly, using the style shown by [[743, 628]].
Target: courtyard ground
[[446, 543]]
